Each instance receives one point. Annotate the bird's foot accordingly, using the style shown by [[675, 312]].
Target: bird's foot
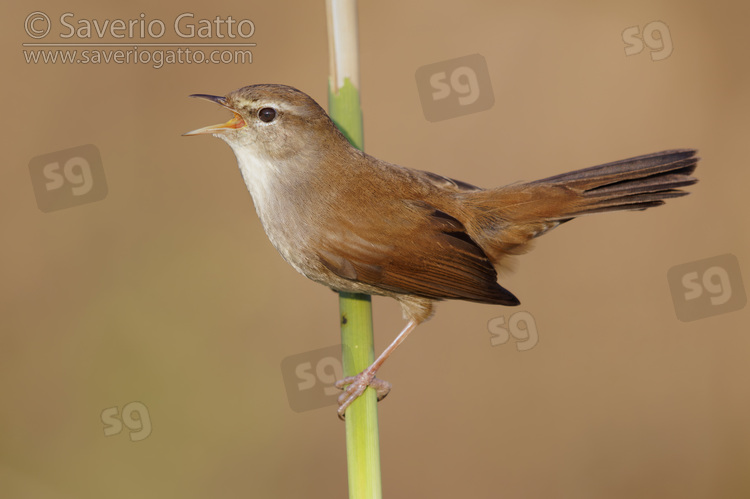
[[354, 386]]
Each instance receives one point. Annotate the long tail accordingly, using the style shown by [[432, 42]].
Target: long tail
[[511, 216], [631, 184]]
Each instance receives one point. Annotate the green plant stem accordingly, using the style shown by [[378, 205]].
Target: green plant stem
[[357, 337], [362, 445]]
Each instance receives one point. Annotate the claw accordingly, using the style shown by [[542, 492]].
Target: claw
[[355, 386]]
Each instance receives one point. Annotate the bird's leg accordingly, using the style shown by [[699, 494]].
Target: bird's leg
[[354, 386]]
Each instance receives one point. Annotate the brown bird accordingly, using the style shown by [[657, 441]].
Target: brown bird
[[358, 224]]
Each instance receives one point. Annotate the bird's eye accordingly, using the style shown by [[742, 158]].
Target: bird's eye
[[267, 114]]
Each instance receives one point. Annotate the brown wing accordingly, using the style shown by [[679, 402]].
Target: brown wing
[[430, 255]]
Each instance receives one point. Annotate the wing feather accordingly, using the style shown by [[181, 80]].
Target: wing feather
[[431, 256]]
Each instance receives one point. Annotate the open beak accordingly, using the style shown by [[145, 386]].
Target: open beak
[[233, 124]]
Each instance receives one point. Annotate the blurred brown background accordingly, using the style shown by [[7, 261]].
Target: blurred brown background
[[168, 293]]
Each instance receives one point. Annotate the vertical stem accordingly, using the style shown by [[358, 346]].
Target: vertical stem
[[358, 348], [362, 446]]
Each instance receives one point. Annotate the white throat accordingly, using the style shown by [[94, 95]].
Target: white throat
[[261, 177]]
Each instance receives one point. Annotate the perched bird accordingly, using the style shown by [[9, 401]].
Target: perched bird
[[358, 224]]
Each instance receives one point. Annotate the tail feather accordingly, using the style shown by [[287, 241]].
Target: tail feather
[[647, 164], [509, 217], [664, 182], [631, 184]]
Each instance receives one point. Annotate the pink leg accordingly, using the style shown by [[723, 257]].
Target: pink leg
[[354, 386]]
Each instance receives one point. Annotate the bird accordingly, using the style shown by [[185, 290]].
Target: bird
[[358, 224]]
